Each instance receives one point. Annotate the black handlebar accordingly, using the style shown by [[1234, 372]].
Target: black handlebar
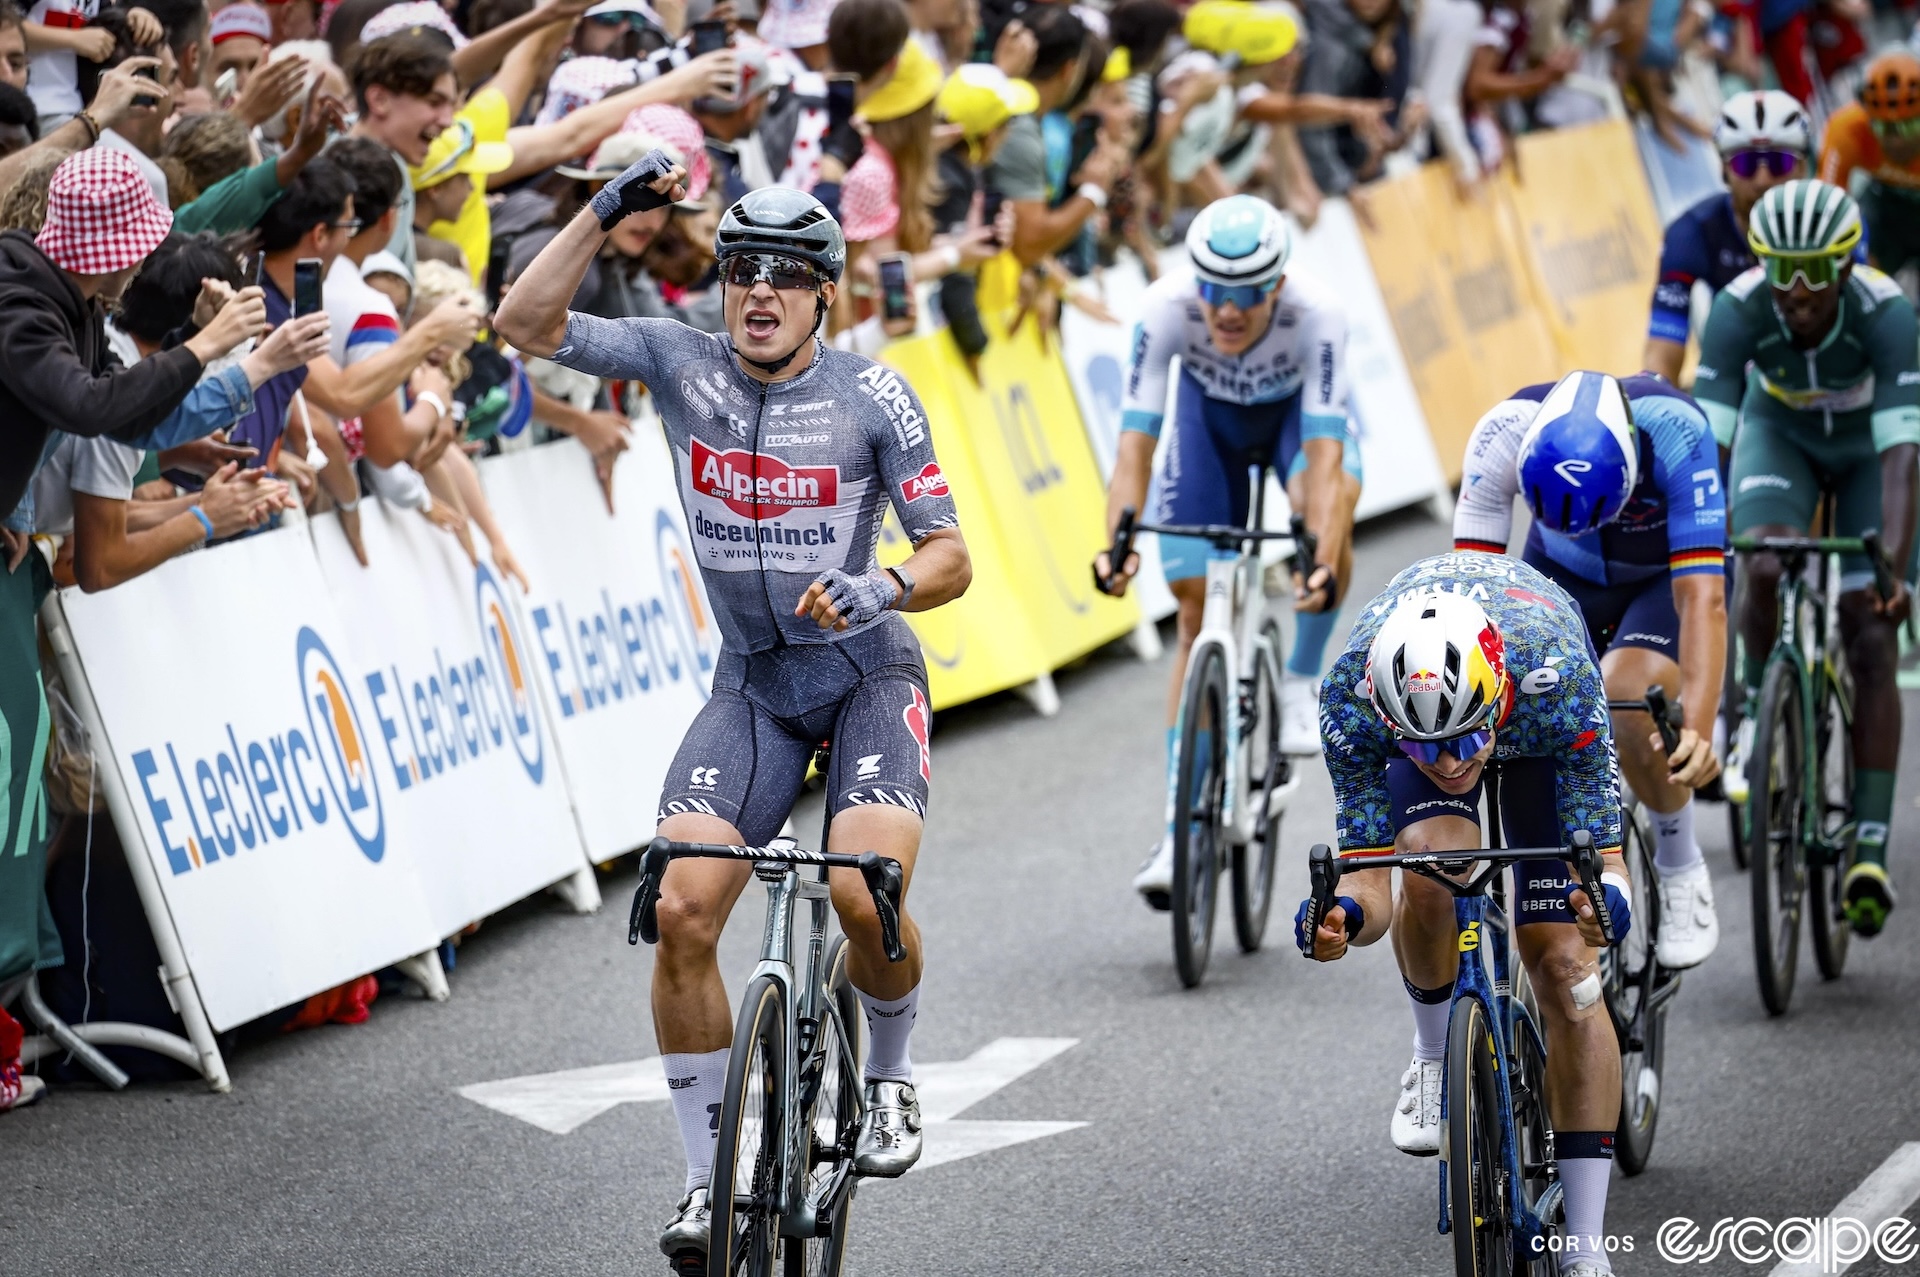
[[881, 874], [1668, 716], [1223, 536], [1324, 869]]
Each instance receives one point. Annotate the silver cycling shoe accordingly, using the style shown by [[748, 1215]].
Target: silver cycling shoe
[[889, 1142], [684, 1242]]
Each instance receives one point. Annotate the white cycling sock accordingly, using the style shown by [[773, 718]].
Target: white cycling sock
[[1586, 1165], [696, 1084], [1431, 1009], [1673, 846], [889, 1027]]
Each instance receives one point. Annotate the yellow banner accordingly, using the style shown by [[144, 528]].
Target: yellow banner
[[1527, 278], [1031, 505]]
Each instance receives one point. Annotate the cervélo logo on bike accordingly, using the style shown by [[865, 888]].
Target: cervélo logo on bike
[[270, 788]]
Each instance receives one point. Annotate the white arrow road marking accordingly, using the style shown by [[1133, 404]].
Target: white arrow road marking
[[565, 1101]]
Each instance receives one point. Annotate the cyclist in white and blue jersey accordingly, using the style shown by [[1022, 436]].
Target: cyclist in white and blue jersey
[[1623, 482], [1263, 380]]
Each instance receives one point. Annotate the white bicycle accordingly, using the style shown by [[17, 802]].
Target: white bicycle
[[1231, 782]]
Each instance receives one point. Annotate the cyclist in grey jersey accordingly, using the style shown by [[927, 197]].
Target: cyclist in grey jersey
[[788, 455]]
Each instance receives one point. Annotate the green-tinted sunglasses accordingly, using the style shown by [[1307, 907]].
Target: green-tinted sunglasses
[[1902, 129], [1816, 272]]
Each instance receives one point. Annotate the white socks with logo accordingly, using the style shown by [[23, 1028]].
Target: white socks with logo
[[889, 1026], [1673, 846], [696, 1083]]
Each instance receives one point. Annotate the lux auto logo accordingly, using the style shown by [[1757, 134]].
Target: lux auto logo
[[513, 675]]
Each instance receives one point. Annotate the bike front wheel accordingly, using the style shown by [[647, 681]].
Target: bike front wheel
[[1776, 829], [1476, 1171], [1732, 706], [1266, 772], [1826, 920], [1199, 804], [830, 1097], [748, 1160], [1631, 977]]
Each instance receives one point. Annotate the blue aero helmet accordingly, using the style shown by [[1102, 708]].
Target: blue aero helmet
[[1239, 247], [1579, 459]]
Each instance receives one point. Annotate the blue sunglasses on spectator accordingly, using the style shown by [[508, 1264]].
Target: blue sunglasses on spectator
[[1244, 296], [1462, 747]]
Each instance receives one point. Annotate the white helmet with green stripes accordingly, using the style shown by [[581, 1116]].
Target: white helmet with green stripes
[[1804, 218]]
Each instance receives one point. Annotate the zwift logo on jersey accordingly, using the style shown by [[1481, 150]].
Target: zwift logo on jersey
[[512, 674], [212, 807], [758, 486]]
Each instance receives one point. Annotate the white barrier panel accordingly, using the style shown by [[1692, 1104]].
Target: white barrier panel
[[479, 797], [1096, 359], [1396, 449], [250, 755], [619, 632]]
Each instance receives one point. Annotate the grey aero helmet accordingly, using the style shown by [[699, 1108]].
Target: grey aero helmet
[[779, 219]]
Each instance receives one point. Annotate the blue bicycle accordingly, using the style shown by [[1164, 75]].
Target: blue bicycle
[[1500, 1196]]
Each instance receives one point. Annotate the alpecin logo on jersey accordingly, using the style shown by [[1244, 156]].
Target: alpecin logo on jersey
[[928, 483], [762, 487]]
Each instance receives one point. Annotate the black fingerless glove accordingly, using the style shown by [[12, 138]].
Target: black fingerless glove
[[632, 192]]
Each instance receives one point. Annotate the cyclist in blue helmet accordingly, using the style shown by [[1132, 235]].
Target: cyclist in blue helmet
[[1623, 481], [1263, 379]]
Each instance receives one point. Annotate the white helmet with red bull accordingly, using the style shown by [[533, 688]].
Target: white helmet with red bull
[[1438, 668]]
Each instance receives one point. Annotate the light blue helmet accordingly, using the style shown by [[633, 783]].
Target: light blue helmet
[[1580, 459], [1241, 239]]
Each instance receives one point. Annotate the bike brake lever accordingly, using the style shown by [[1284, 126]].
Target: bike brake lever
[[1325, 876], [643, 923], [1667, 717], [1587, 867], [1118, 553], [882, 875]]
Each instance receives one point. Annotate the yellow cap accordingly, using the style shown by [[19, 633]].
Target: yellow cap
[[915, 82], [457, 151], [1119, 66], [1258, 33], [980, 98]]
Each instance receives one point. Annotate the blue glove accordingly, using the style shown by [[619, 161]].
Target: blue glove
[[859, 598], [1619, 908], [1356, 919], [631, 192]]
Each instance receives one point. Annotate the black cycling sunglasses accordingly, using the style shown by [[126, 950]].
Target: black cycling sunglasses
[[747, 269]]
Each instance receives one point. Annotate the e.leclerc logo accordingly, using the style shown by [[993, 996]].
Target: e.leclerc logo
[[338, 738], [248, 795], [699, 637], [513, 676]]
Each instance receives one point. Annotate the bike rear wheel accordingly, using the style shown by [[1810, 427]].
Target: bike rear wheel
[[1266, 772], [1533, 1131], [830, 1095], [1631, 977], [748, 1161], [1828, 864], [1776, 822], [1476, 1173], [1199, 803]]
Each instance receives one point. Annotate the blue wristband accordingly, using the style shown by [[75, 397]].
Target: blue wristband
[[205, 522]]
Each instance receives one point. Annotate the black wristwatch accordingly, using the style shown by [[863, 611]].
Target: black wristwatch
[[905, 579]]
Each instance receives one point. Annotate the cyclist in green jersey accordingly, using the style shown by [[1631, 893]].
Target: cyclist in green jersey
[[1814, 358]]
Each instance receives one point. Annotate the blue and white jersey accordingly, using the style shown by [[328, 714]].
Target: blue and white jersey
[[1303, 352], [1675, 521]]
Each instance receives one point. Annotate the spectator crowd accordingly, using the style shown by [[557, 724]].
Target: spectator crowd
[[248, 252]]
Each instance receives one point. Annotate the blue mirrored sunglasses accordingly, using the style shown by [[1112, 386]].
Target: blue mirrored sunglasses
[[1462, 747], [1244, 296]]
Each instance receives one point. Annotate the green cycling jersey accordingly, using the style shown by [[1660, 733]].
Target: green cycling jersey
[[1865, 375]]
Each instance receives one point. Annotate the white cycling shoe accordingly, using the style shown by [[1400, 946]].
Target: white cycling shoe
[[1733, 777], [1416, 1116], [1689, 928], [1299, 714], [1585, 1268], [1155, 879]]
